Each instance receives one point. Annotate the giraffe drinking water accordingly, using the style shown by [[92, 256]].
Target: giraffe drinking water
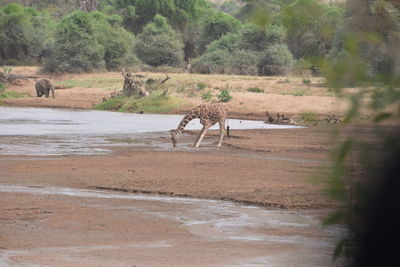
[[209, 114]]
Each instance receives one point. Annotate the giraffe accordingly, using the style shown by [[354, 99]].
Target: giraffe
[[209, 114]]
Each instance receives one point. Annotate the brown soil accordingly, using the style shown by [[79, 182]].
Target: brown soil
[[272, 168]]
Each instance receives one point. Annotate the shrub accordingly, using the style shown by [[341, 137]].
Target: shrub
[[88, 41], [159, 44], [275, 60], [224, 96], [201, 85], [214, 26], [255, 90], [23, 32], [206, 96], [255, 38], [243, 63], [213, 62]]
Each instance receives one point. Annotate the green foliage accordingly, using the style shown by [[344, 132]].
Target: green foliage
[[23, 32], [255, 38], [100, 40], [310, 27], [224, 96], [228, 42], [364, 55], [243, 62], [206, 96], [369, 36], [9, 94], [137, 13], [308, 117], [154, 103], [201, 85], [241, 53], [275, 60], [214, 62], [255, 90], [159, 44], [114, 103], [214, 26]]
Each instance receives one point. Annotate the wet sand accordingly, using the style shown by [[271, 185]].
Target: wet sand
[[271, 169], [53, 226]]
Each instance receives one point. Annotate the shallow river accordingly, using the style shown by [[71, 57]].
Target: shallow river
[[45, 131]]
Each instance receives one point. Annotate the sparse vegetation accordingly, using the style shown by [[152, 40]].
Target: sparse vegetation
[[9, 94], [201, 85], [155, 103], [96, 82], [206, 96], [224, 96], [308, 117], [255, 90]]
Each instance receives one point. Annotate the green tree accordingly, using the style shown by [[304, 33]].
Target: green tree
[[88, 41], [370, 34], [159, 44], [364, 175], [23, 32], [275, 60], [214, 26], [253, 50], [310, 27]]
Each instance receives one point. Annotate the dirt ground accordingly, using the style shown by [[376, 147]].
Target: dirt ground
[[278, 169], [282, 94]]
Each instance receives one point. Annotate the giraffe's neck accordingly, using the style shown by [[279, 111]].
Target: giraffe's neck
[[185, 121]]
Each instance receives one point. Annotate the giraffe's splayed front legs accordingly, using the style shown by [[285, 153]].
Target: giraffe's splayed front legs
[[209, 114], [201, 136]]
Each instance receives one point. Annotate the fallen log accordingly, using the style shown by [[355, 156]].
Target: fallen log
[[278, 119]]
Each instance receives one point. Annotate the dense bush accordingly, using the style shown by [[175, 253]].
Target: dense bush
[[216, 61], [214, 26], [243, 63], [23, 32], [248, 52], [310, 27], [255, 38], [159, 44], [366, 45], [88, 41], [275, 60]]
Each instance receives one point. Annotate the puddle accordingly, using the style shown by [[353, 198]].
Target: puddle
[[45, 131], [208, 219]]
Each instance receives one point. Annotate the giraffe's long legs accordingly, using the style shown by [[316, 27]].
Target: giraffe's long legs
[[201, 136], [221, 131]]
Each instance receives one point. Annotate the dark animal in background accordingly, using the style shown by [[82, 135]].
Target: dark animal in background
[[315, 71], [44, 86]]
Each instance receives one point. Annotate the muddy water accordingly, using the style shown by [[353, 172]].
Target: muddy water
[[306, 244], [44, 131]]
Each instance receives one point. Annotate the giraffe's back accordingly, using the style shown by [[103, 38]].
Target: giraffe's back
[[210, 114]]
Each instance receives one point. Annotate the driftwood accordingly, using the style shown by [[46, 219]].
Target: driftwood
[[278, 119], [135, 86], [132, 85], [13, 78], [57, 87], [332, 119]]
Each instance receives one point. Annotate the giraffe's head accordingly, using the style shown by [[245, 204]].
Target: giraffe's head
[[174, 137]]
